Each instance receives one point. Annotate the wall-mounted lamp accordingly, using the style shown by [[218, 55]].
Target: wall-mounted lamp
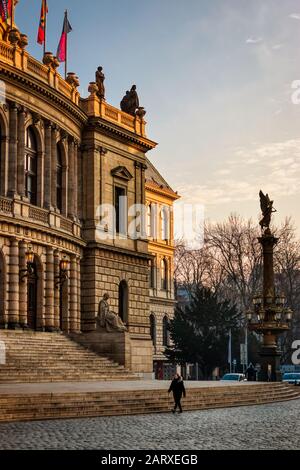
[[29, 256], [63, 272]]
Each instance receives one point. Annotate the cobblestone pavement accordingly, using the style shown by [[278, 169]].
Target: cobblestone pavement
[[257, 427]]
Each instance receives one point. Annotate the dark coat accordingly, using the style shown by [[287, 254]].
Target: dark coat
[[177, 387]]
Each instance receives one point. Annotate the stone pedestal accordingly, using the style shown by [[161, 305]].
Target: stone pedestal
[[116, 346], [134, 353], [270, 365]]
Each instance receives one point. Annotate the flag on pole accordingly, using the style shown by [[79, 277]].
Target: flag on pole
[[5, 9], [41, 39], [63, 43]]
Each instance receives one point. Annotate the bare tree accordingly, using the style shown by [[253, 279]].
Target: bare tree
[[230, 263]]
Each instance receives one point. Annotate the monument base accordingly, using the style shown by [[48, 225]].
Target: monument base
[[270, 365], [134, 353]]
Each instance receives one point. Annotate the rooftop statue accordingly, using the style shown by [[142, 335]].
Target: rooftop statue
[[130, 102], [267, 210], [100, 77]]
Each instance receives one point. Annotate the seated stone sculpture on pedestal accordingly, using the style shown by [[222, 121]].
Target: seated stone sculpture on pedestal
[[108, 319]]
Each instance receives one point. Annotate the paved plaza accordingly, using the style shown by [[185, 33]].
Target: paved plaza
[[255, 427]]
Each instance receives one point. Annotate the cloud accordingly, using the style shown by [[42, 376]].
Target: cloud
[[254, 40], [276, 47], [295, 16], [274, 166]]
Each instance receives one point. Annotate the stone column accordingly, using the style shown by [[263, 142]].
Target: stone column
[[79, 181], [53, 167], [137, 183], [76, 182], [13, 285], [56, 293], [21, 152], [49, 307], [47, 165], [143, 180], [73, 295], [71, 187], [23, 285], [13, 150], [143, 201], [4, 141]]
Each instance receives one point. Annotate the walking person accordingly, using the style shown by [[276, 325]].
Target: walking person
[[178, 389]]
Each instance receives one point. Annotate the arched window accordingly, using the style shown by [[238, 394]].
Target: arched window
[[164, 274], [59, 179], [166, 333], [153, 329], [31, 166], [164, 223]]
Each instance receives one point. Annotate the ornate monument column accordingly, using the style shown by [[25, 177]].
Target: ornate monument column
[[270, 317]]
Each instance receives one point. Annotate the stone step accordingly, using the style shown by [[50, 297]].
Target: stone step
[[73, 405], [53, 357]]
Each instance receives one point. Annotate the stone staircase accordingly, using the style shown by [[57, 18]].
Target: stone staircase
[[42, 357], [41, 406]]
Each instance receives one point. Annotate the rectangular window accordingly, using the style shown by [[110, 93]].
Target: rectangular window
[[121, 210]]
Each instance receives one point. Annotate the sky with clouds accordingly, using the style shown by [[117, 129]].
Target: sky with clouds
[[216, 78]]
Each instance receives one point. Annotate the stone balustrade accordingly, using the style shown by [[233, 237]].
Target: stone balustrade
[[24, 211], [18, 57]]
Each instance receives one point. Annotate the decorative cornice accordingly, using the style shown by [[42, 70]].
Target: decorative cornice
[[37, 88], [121, 134], [162, 191]]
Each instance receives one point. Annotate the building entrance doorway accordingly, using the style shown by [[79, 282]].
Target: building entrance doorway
[[32, 289]]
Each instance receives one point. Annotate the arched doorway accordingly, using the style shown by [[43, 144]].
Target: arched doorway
[[2, 290], [32, 295], [123, 301], [64, 306]]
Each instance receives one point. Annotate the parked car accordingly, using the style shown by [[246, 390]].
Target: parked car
[[234, 377], [291, 378]]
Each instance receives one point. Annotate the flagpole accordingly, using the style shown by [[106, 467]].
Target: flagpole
[[66, 61], [45, 39], [12, 14]]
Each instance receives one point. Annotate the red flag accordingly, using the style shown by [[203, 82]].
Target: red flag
[[5, 9], [62, 47], [41, 39]]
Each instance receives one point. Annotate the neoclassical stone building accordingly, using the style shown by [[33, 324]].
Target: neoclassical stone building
[[62, 159], [160, 199]]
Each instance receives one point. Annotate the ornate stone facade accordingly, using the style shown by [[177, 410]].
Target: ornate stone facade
[[62, 157], [160, 230]]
